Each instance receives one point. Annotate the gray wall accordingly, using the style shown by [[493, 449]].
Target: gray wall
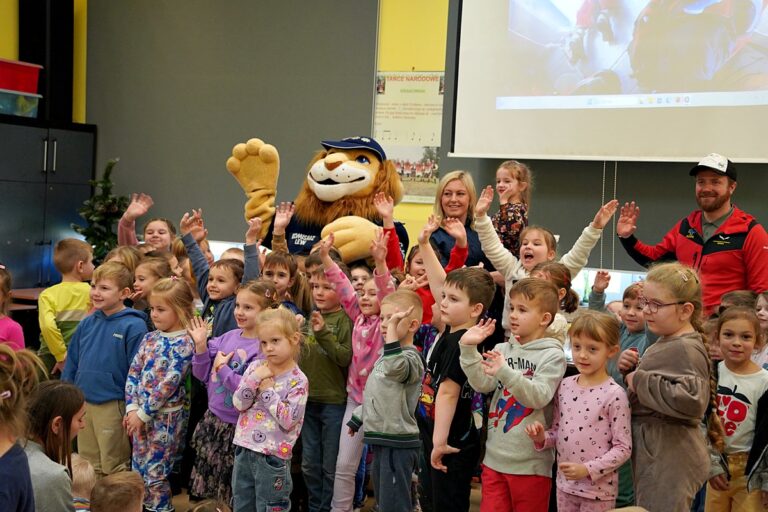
[[568, 193], [174, 85]]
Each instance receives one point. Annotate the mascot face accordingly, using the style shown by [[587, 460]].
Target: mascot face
[[344, 173]]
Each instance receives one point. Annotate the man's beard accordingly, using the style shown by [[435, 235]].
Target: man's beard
[[714, 204]]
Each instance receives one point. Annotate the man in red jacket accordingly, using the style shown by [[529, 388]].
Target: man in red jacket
[[726, 245]]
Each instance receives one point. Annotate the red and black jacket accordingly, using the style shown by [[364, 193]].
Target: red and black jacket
[[734, 258]]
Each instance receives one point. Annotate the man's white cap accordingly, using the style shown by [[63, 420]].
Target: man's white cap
[[717, 163]]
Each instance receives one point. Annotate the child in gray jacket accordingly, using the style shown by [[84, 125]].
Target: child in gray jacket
[[389, 404]]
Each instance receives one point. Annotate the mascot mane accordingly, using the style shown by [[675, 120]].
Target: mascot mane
[[311, 210]]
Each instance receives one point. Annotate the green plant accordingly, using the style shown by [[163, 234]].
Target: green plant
[[101, 212]]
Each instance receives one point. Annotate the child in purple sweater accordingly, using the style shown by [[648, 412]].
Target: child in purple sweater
[[367, 345], [590, 421], [220, 364]]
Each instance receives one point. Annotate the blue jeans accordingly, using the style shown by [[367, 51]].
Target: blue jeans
[[320, 441], [360, 480], [261, 482]]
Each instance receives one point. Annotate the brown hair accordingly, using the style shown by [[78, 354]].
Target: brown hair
[[19, 375], [746, 298], [523, 174], [466, 179], [299, 291], [83, 477], [6, 285], [210, 506], [168, 256], [549, 237], [178, 295], [114, 271], [632, 292], [742, 313], [118, 492], [538, 291], [264, 290], [476, 282], [284, 321], [128, 255], [596, 326], [159, 267], [53, 399], [683, 284], [559, 275], [69, 252], [404, 299], [169, 224], [236, 267]]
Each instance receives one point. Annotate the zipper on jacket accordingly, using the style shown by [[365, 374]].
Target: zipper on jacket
[[695, 259]]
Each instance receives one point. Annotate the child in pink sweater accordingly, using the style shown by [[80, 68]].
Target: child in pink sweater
[[367, 345]]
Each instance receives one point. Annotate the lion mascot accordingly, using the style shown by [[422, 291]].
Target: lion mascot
[[337, 194]]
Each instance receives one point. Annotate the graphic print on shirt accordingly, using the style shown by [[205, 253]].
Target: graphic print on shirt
[[237, 363], [508, 410], [732, 407], [426, 407]]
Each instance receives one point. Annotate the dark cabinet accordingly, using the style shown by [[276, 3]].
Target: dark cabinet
[[44, 179]]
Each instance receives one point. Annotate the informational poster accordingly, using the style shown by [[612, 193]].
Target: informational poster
[[408, 121]]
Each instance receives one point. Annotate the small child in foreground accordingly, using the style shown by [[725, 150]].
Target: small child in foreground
[[119, 492], [392, 392]]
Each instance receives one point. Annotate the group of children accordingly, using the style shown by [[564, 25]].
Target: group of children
[[321, 364]]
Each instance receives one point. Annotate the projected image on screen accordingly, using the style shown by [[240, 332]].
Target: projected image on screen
[[635, 54]]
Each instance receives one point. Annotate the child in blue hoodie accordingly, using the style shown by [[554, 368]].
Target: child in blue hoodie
[[99, 355]]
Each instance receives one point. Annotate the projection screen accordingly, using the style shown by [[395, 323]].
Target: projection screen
[[658, 80]]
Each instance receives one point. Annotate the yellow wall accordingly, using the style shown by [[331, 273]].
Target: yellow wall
[[412, 37], [9, 29]]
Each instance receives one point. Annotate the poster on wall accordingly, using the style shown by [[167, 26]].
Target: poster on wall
[[407, 123]]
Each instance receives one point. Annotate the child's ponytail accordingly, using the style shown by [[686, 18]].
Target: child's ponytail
[[559, 275], [19, 375]]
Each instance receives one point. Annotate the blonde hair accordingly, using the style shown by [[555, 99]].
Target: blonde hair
[[177, 293], [19, 375], [117, 492], [113, 271], [466, 179], [69, 252], [683, 285], [159, 267], [83, 477], [211, 506], [285, 322], [596, 326], [128, 255], [523, 174], [6, 285], [404, 299]]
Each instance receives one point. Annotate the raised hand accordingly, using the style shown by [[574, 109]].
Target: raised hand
[[535, 431], [139, 205], [493, 362], [325, 246], [602, 279], [478, 332], [456, 229], [198, 331], [316, 321], [397, 325], [385, 206], [627, 223], [605, 213], [254, 230], [413, 283], [433, 223], [283, 213], [193, 224], [379, 246], [484, 202]]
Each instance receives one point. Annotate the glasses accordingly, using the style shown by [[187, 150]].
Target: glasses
[[653, 306]]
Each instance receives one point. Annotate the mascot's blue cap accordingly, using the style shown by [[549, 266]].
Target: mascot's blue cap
[[356, 143]]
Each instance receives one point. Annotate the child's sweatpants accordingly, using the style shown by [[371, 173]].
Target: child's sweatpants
[[347, 462], [392, 473], [154, 452], [103, 441], [736, 497], [521, 493], [570, 503]]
